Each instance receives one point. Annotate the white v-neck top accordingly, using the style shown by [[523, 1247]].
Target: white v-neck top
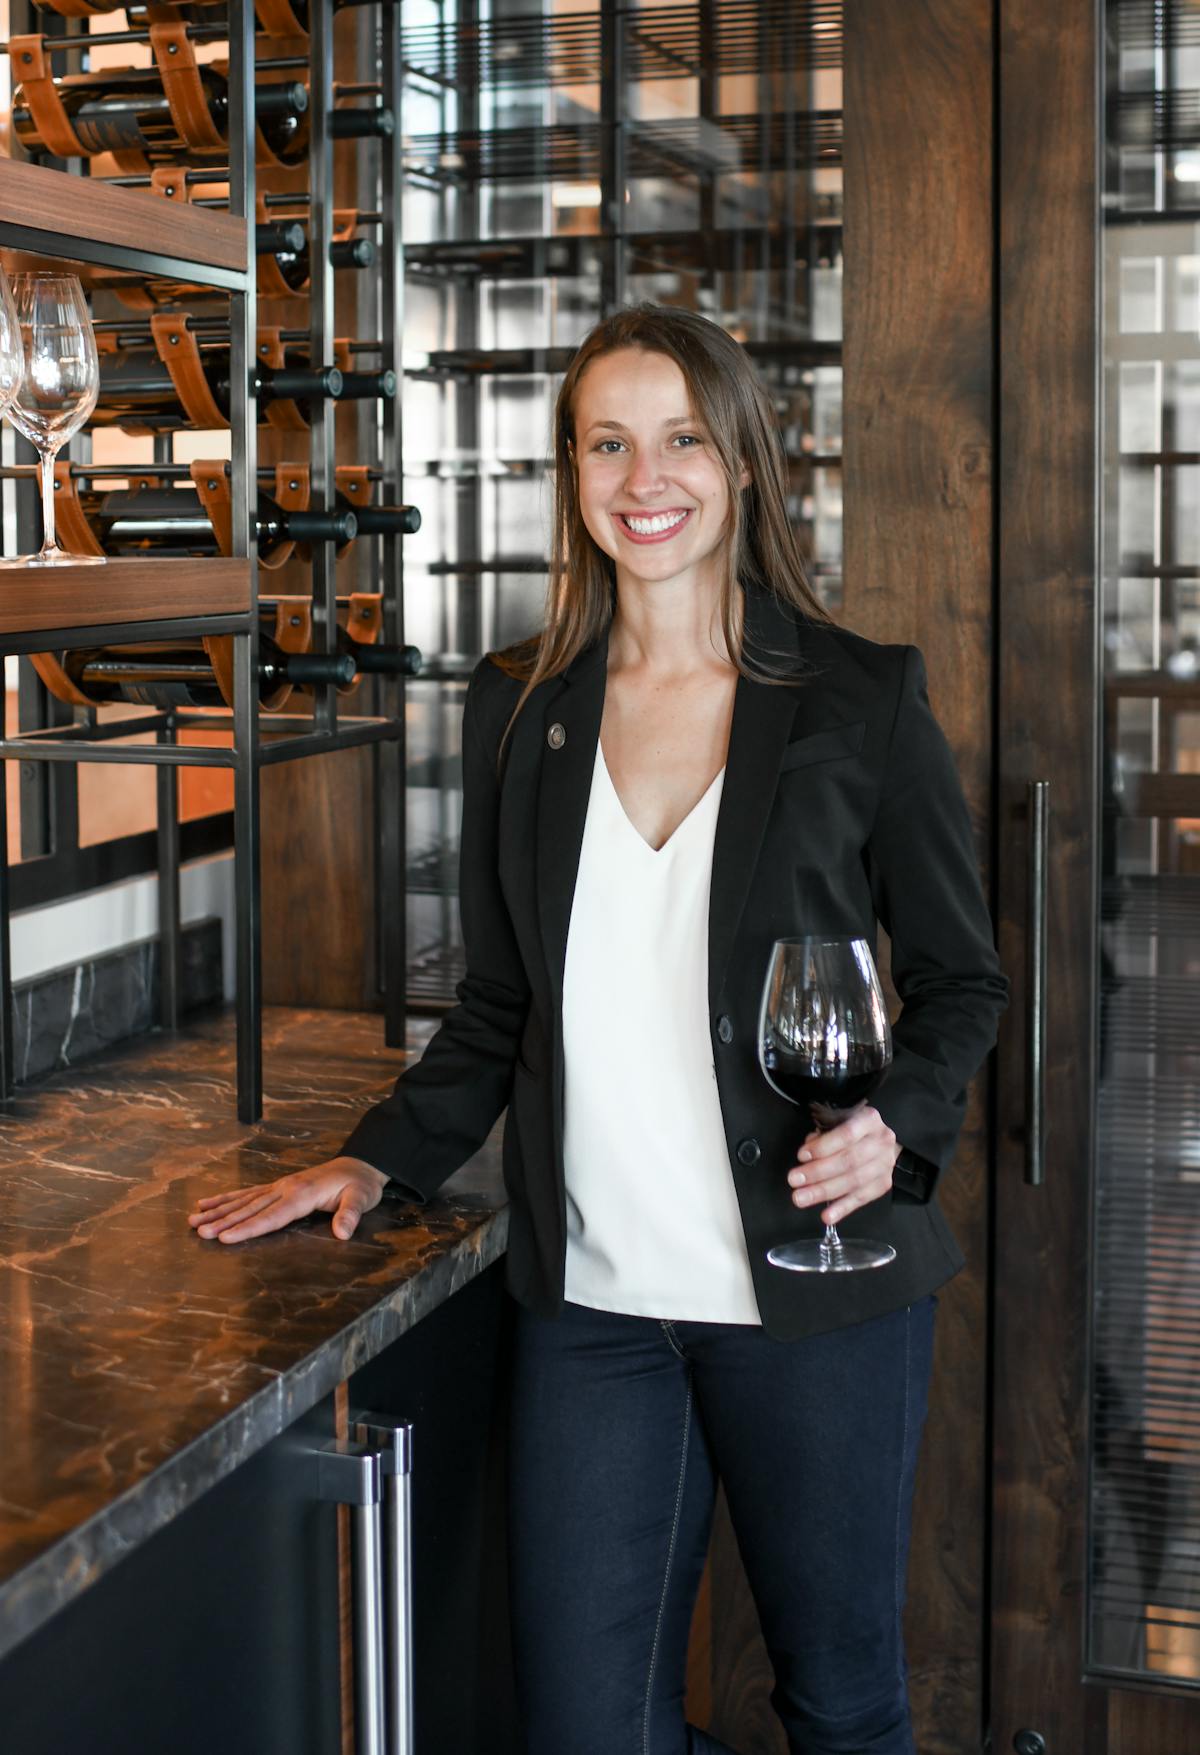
[[653, 1227]]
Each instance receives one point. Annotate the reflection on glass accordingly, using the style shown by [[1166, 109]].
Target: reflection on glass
[[1144, 1494]]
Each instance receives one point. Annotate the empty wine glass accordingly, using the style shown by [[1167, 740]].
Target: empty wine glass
[[824, 1039], [58, 390], [12, 349]]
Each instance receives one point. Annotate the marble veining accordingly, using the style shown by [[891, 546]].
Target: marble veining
[[66, 1015], [140, 1363]]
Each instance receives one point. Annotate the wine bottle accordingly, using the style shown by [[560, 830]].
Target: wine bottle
[[138, 392], [295, 264], [361, 124], [173, 521], [381, 520], [375, 660], [181, 674], [126, 110]]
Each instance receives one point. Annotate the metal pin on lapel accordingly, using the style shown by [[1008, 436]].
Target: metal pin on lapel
[[556, 736]]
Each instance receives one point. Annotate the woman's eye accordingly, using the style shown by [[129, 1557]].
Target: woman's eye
[[688, 439], [602, 447]]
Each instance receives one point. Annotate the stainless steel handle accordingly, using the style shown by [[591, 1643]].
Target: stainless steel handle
[[1035, 983], [350, 1473], [393, 1440]]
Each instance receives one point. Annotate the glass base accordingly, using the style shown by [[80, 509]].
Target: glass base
[[55, 557], [812, 1255]]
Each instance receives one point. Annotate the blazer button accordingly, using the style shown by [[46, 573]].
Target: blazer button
[[556, 736], [724, 1028], [748, 1152]]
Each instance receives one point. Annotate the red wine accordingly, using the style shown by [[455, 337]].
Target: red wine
[[795, 1077]]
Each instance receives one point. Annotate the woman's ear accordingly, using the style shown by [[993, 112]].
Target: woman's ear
[[744, 478]]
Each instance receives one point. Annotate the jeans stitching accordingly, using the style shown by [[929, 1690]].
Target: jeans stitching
[[672, 1338], [662, 1605], [900, 1480]]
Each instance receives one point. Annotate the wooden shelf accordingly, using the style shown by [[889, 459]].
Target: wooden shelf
[[151, 590], [83, 219]]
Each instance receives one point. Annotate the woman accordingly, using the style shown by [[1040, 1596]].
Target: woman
[[690, 761]]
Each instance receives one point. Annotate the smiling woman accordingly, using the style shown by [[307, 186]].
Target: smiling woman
[[688, 762]]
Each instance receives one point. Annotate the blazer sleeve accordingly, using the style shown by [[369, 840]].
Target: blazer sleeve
[[444, 1105], [925, 883]]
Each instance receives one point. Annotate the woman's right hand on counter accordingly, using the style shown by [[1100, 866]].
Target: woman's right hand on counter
[[345, 1187]]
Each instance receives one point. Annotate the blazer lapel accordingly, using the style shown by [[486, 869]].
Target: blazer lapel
[[763, 715]]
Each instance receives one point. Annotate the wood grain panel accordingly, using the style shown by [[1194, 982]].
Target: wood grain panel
[[919, 388], [1140, 1723], [122, 591], [318, 929], [1048, 215], [53, 202]]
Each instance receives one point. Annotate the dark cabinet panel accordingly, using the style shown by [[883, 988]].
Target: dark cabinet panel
[[219, 1633]]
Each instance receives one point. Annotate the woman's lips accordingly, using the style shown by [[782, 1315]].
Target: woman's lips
[[650, 517]]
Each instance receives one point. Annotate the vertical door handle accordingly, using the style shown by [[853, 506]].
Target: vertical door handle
[[392, 1439], [349, 1473], [1035, 983]]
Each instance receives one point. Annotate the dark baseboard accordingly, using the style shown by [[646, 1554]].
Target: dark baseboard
[[67, 1015]]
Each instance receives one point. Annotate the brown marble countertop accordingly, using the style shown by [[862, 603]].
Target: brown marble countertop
[[140, 1363]]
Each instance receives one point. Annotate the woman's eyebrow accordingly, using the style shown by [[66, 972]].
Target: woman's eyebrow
[[616, 426]]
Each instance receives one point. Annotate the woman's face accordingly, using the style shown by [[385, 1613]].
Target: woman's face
[[652, 491]]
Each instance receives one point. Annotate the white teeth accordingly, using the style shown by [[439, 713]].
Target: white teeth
[[652, 526]]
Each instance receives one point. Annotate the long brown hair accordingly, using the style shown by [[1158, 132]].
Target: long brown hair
[[760, 548]]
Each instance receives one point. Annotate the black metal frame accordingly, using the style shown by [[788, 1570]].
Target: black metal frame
[[86, 740]]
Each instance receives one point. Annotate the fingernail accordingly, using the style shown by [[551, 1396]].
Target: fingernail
[[795, 1177], [804, 1157]]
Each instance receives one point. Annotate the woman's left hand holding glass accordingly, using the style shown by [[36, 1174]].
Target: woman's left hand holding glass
[[846, 1167]]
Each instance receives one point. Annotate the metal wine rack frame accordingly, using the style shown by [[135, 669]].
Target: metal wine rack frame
[[53, 213], [457, 64]]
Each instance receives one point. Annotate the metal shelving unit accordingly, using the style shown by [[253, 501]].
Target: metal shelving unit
[[82, 221]]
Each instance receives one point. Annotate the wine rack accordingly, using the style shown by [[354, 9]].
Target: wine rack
[[196, 197], [556, 166]]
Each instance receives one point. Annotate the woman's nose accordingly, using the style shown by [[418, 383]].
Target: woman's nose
[[644, 476]]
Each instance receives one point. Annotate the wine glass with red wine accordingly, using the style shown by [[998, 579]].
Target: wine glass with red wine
[[824, 1040]]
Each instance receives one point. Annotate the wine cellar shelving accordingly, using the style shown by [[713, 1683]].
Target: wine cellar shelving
[[450, 195], [242, 601], [558, 164]]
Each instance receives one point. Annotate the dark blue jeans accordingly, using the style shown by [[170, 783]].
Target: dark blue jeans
[[621, 1426]]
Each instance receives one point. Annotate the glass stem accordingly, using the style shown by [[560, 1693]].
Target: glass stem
[[831, 1241], [48, 500]]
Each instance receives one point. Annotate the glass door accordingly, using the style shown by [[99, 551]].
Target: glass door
[[1095, 1637]]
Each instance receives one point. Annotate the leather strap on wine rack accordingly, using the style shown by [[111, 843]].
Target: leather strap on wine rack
[[293, 624], [75, 533], [213, 489], [178, 351], [345, 224], [170, 181], [31, 65], [218, 649], [282, 414], [278, 19], [176, 62], [49, 667], [291, 494], [364, 616], [343, 359], [74, 8]]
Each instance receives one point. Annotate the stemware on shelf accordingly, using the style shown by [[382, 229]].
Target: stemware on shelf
[[58, 388]]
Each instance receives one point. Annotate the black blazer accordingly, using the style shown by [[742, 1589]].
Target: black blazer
[[841, 806]]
